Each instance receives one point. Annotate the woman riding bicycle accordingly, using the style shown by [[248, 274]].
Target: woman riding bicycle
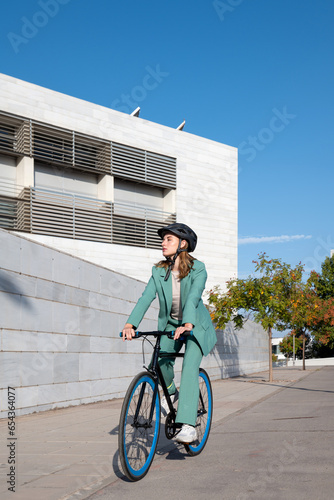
[[179, 281]]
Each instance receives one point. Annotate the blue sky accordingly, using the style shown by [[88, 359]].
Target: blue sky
[[254, 74]]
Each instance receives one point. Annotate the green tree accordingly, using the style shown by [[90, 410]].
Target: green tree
[[325, 283], [302, 311], [286, 345], [320, 350], [323, 327], [310, 314], [265, 298]]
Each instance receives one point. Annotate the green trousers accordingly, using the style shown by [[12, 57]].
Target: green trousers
[[189, 387]]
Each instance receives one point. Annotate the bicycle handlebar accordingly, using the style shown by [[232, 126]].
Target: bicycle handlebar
[[158, 333]]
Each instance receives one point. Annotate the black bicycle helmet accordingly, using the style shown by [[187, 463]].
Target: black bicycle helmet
[[181, 231], [184, 233]]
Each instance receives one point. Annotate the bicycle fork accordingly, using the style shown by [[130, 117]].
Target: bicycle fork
[[156, 376], [148, 423]]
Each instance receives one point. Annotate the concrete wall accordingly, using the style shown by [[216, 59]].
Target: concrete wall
[[60, 322], [308, 362], [207, 176]]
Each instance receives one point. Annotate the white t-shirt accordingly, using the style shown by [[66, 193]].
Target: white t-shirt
[[176, 312]]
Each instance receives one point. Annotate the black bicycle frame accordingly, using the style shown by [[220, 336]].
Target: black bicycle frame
[[155, 370]]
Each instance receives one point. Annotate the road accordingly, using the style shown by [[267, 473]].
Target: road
[[279, 448]]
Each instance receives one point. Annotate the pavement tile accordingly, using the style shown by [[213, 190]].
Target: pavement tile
[[69, 453]]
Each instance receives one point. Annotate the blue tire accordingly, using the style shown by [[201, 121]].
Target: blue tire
[[139, 426], [204, 415]]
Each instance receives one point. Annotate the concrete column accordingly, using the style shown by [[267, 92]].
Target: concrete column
[[25, 172], [169, 201], [105, 188]]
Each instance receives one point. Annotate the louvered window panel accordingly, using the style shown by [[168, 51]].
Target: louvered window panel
[[64, 147], [161, 170], [14, 135], [92, 154], [61, 214], [9, 192], [7, 135], [92, 220], [23, 139], [128, 162], [137, 226], [8, 214], [143, 166], [23, 222], [52, 145], [52, 214], [64, 215], [128, 231]]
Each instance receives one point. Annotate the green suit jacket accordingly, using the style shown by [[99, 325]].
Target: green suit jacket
[[193, 309]]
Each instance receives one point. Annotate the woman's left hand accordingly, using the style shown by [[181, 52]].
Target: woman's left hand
[[181, 329]]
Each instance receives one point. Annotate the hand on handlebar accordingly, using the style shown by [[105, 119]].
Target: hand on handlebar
[[181, 329], [128, 332]]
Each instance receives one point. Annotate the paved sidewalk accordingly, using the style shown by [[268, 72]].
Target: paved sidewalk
[[70, 453]]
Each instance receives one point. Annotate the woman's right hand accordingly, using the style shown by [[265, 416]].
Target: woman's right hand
[[128, 332]]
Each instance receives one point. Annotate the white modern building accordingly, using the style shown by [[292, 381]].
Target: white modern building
[[97, 183], [275, 342], [83, 190]]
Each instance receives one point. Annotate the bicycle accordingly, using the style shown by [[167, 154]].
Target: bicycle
[[139, 425]]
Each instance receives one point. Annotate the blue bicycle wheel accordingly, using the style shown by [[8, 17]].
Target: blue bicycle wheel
[[204, 415], [139, 426]]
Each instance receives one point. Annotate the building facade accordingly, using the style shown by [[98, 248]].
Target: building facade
[[275, 348], [97, 183]]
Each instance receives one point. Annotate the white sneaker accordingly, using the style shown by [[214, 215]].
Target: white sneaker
[[164, 405], [187, 434]]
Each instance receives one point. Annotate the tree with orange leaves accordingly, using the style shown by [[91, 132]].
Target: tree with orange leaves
[[311, 311], [291, 343], [277, 297], [303, 311], [323, 284], [266, 296]]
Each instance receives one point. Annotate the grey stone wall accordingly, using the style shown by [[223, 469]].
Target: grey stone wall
[[60, 323]]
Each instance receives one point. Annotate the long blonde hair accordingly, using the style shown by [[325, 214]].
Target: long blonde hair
[[186, 263]]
